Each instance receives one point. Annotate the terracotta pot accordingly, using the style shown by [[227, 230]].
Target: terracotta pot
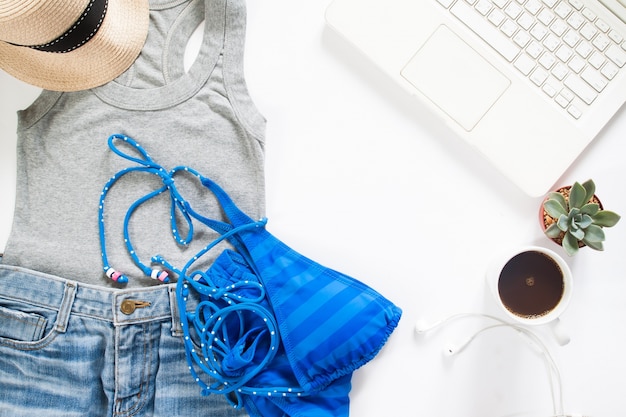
[[545, 220]]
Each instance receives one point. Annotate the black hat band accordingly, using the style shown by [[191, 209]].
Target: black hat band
[[80, 32]]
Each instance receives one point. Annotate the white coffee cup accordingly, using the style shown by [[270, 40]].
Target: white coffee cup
[[533, 286]]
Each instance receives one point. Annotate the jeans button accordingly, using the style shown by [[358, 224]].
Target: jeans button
[[127, 307]]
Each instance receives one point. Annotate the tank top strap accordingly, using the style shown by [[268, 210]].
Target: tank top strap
[[233, 63], [234, 40]]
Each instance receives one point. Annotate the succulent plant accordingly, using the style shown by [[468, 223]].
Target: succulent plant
[[579, 219]]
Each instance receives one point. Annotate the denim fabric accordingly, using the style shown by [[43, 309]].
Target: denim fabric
[[69, 349]]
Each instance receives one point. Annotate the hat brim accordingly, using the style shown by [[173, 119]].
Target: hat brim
[[108, 54]]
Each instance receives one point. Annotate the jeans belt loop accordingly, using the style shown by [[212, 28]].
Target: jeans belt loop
[[177, 329], [69, 294]]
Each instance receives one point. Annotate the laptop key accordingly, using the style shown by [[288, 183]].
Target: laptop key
[[539, 76], [594, 79], [617, 55], [574, 111], [524, 64], [580, 88], [609, 71]]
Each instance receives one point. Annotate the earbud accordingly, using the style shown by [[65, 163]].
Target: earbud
[[421, 326], [450, 350]]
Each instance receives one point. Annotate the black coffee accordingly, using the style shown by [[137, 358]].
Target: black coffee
[[531, 284]]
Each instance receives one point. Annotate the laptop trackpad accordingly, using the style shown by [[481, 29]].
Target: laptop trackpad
[[455, 77]]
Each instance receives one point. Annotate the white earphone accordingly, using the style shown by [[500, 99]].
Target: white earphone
[[452, 349]]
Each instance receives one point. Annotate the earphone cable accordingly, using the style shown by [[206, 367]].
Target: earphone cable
[[554, 375]]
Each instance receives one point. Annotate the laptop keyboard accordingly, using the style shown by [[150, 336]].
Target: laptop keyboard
[[562, 46]]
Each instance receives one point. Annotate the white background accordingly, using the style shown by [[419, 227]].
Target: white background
[[364, 180]]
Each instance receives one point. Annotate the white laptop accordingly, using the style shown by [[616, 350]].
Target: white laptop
[[528, 83]]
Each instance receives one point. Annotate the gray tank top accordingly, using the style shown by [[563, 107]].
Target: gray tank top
[[203, 118]]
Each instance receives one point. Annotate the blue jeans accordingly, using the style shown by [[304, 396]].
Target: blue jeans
[[68, 349]]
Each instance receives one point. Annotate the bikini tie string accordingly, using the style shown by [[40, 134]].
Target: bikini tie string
[[231, 334], [146, 165], [229, 330], [180, 208]]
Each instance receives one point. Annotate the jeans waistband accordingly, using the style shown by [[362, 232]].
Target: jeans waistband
[[119, 306]]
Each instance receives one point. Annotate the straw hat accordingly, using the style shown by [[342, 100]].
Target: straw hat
[[69, 45]]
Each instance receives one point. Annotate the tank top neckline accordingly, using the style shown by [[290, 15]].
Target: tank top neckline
[[180, 85]]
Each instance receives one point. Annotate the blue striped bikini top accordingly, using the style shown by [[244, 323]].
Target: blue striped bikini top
[[272, 330]]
